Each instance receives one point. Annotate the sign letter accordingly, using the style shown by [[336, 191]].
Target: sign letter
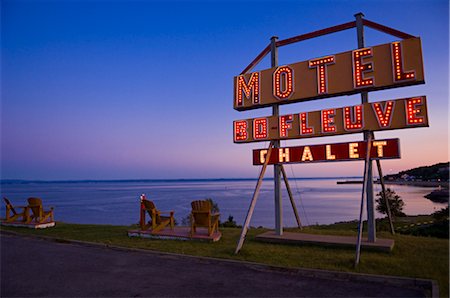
[[240, 130], [262, 156], [384, 116], [413, 107], [379, 145], [360, 68], [353, 150], [321, 65], [307, 155], [260, 128], [283, 82], [328, 120], [304, 128], [249, 89], [353, 117], [328, 151], [283, 156], [285, 124], [397, 64]]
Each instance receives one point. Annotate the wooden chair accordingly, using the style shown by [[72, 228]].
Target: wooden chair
[[157, 220], [38, 214], [12, 214], [201, 216]]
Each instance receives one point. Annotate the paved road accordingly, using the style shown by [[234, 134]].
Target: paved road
[[41, 268]]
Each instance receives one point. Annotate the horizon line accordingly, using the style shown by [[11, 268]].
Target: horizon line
[[161, 179]]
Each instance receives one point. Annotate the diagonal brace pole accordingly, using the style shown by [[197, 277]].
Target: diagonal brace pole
[[254, 199], [291, 197], [386, 200], [366, 182]]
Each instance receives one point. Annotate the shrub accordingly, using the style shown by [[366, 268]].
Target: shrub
[[395, 203], [230, 223]]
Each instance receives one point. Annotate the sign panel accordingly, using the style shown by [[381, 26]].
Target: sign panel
[[381, 149], [374, 68], [376, 116]]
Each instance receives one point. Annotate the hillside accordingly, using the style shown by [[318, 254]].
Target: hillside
[[437, 172]]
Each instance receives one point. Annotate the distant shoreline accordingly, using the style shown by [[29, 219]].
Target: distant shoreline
[[433, 184], [443, 184], [24, 181]]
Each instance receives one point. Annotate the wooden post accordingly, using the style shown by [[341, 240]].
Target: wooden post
[[291, 197], [365, 183], [253, 202], [386, 200], [142, 212]]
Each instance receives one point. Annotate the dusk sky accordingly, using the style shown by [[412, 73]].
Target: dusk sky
[[144, 89]]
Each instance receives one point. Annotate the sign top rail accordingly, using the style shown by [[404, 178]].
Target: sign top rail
[[326, 31]]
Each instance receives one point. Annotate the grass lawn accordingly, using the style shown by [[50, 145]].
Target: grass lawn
[[420, 257]]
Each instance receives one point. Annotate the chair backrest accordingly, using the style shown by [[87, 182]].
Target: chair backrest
[[201, 211], [151, 210], [10, 206], [35, 205], [201, 205]]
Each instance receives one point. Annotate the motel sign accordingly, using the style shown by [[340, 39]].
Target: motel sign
[[385, 66]]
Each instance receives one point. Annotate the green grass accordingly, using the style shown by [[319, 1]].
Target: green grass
[[420, 257]]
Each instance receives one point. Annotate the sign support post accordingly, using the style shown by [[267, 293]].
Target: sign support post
[[254, 199], [371, 226], [276, 167]]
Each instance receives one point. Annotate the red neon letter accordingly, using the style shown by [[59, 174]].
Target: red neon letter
[[384, 116], [304, 128], [328, 120], [397, 64], [249, 89], [260, 128], [240, 130], [321, 65], [285, 124], [360, 68], [353, 117], [283, 82], [413, 106]]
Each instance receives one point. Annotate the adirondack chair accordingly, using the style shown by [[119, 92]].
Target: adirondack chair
[[201, 216], [12, 214], [157, 220], [38, 214]]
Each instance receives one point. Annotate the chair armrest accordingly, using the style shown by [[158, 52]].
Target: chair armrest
[[166, 212], [24, 208], [215, 216]]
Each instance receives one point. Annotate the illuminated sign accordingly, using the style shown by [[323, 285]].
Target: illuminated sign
[[381, 149], [384, 66], [385, 115]]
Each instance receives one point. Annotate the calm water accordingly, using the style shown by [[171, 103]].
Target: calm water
[[318, 200]]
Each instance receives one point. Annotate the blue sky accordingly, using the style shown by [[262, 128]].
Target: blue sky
[[143, 89]]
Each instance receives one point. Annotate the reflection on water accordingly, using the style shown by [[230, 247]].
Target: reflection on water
[[318, 200]]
